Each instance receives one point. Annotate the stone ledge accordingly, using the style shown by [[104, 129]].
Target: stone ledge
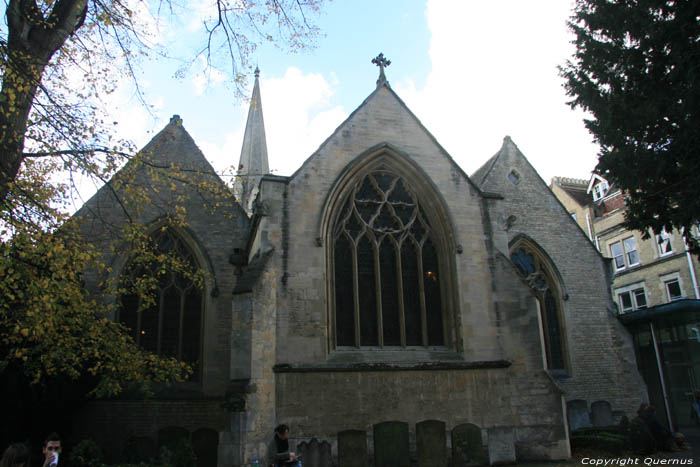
[[423, 366]]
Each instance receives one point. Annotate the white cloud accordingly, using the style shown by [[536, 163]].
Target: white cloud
[[494, 74], [199, 12], [223, 155], [298, 117]]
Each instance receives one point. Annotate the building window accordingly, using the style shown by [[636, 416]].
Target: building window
[[631, 298], [624, 253], [663, 241], [531, 268], [673, 289], [599, 190], [387, 268], [171, 325], [514, 177]]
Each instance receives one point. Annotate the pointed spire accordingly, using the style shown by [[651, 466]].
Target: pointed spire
[[253, 163]]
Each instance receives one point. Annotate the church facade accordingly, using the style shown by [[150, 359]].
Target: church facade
[[378, 282]]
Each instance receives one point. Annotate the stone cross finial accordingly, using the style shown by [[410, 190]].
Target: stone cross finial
[[257, 72], [381, 62]]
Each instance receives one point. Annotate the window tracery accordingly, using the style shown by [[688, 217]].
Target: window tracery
[[539, 278], [171, 326], [387, 279]]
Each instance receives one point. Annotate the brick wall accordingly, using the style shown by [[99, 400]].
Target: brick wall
[[112, 423]]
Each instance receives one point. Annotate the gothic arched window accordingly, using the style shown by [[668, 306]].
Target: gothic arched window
[[386, 267], [171, 326], [536, 273]]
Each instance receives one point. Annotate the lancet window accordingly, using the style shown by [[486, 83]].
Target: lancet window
[[532, 268], [171, 326], [386, 273]]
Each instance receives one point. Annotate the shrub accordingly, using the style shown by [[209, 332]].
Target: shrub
[[86, 454], [181, 456]]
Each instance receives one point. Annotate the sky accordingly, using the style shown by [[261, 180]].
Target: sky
[[471, 71]]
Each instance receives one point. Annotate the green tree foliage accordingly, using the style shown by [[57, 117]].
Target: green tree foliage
[[636, 72], [57, 58], [49, 326]]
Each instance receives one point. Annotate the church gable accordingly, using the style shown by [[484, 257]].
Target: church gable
[[383, 118], [170, 194], [168, 178], [538, 235], [383, 135], [530, 201]]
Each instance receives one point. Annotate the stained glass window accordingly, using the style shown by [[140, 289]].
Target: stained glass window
[[530, 267], [172, 325], [386, 268]]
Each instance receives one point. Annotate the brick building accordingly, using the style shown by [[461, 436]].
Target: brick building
[[649, 274], [647, 271], [378, 282]]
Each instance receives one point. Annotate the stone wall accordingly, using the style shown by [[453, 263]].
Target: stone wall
[[601, 362], [324, 396], [321, 403], [382, 125], [213, 227]]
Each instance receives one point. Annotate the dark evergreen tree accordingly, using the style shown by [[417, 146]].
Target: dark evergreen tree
[[636, 71]]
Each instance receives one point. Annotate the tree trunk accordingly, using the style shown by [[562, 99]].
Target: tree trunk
[[32, 40]]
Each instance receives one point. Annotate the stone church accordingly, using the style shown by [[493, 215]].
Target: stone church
[[379, 282]]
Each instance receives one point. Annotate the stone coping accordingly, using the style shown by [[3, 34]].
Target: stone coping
[[378, 366]]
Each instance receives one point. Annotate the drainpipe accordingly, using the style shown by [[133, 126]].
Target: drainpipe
[[661, 377], [588, 223], [692, 269]]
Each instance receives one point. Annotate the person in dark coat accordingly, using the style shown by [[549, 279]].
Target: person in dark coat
[[661, 434], [278, 453]]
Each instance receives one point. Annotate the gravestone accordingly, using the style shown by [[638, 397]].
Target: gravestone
[[391, 444], [315, 453], [352, 448], [205, 443], [501, 445], [326, 454], [431, 443], [468, 446], [601, 414], [577, 414], [138, 449], [618, 416]]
